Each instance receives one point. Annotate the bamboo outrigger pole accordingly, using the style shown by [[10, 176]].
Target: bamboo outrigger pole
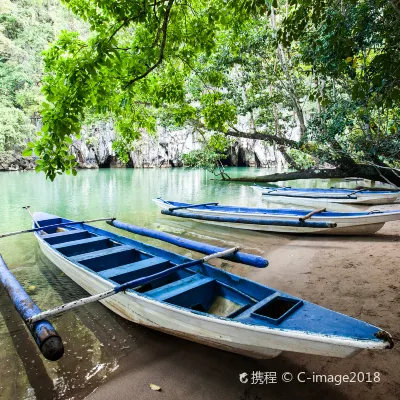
[[46, 337], [243, 258]]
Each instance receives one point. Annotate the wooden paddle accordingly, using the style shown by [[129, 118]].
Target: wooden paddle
[[192, 206], [128, 285], [54, 226], [356, 191], [33, 219]]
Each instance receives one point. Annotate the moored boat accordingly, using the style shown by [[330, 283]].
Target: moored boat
[[202, 303], [352, 223], [324, 197]]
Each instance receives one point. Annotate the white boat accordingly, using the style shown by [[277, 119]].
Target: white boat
[[352, 223], [202, 303], [325, 197]]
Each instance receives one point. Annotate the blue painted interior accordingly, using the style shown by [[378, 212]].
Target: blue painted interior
[[87, 245], [68, 236], [108, 258], [138, 269], [196, 288], [277, 211], [197, 295]]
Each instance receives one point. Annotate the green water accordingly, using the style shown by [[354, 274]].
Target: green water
[[95, 339]]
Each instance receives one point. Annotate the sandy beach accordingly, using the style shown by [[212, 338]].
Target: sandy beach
[[357, 276]]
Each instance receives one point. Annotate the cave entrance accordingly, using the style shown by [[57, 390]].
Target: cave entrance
[[242, 158], [106, 163]]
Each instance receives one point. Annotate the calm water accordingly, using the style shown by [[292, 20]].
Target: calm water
[[94, 338]]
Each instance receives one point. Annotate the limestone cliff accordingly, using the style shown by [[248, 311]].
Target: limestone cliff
[[94, 150]]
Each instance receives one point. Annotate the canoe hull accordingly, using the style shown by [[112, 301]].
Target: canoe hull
[[236, 337], [325, 199], [346, 225], [326, 203], [345, 230]]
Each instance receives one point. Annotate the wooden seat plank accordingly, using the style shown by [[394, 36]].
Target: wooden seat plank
[[178, 287], [138, 266]]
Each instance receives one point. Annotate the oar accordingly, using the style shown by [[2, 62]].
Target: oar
[[33, 219], [191, 206], [277, 189], [128, 285], [55, 226], [356, 191]]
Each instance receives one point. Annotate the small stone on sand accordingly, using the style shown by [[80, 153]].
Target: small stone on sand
[[155, 387]]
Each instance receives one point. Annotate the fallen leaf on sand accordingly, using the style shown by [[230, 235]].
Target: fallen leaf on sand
[[154, 387]]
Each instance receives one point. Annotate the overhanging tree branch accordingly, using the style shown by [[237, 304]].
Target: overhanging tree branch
[[164, 30], [264, 136]]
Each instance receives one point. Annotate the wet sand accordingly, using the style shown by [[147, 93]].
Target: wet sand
[[358, 276]]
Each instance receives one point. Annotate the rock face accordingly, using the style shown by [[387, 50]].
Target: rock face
[[94, 150], [13, 161], [165, 150], [254, 153]]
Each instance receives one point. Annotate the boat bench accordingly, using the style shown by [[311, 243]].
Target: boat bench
[[108, 258], [128, 272], [178, 287], [196, 294], [87, 245], [65, 236]]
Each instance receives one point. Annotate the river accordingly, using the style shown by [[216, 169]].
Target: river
[[96, 339]]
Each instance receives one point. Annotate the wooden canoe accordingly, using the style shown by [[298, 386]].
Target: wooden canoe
[[203, 304], [350, 223], [324, 197]]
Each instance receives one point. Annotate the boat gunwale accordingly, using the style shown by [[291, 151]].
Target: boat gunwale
[[299, 335]]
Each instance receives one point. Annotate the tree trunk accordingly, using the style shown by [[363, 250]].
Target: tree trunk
[[290, 79], [291, 163], [281, 141], [360, 171]]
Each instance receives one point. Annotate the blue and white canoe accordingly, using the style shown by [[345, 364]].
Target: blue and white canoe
[[203, 304], [325, 197], [337, 223]]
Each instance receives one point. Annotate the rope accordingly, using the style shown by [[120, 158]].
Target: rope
[[387, 337]]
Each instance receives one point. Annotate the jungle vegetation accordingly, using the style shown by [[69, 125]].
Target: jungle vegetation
[[330, 68]]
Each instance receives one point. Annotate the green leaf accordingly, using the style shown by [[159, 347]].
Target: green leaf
[[27, 153]]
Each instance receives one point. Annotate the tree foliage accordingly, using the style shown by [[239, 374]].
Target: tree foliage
[[209, 157], [138, 54], [318, 80], [15, 129], [26, 28]]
